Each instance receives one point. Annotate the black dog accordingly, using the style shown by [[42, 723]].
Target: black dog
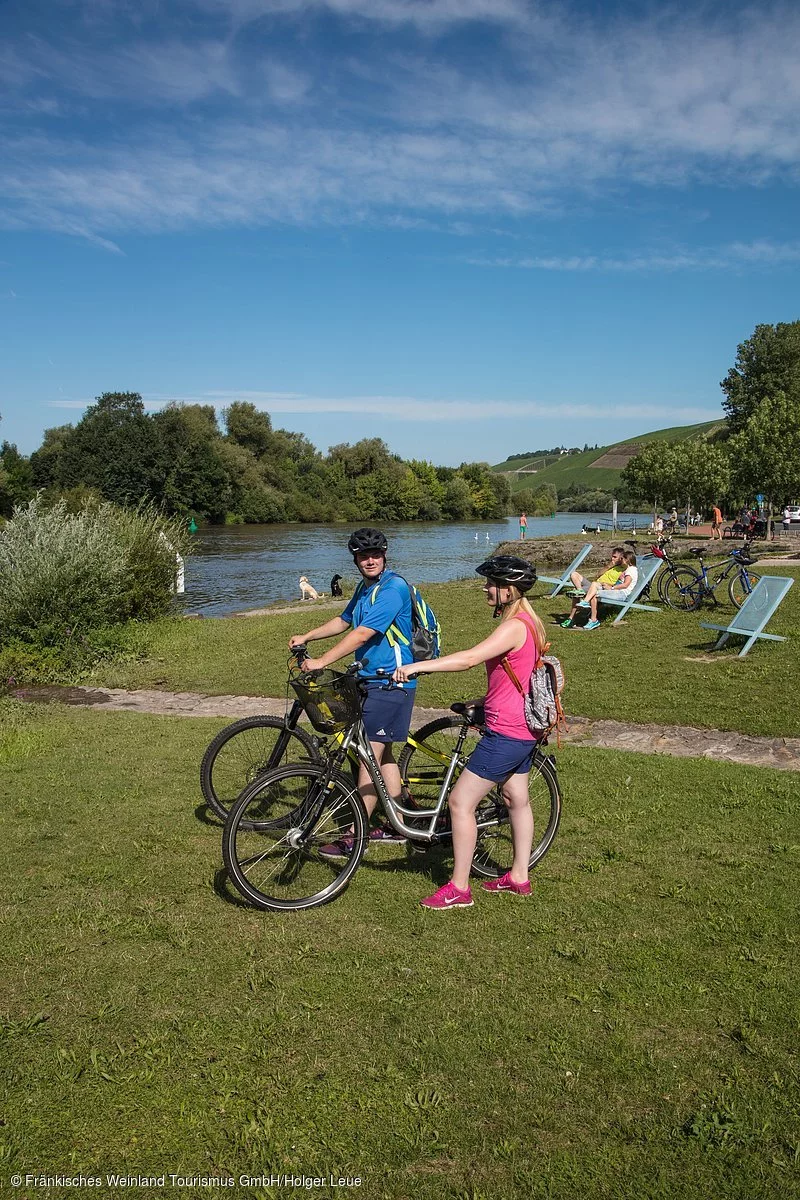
[[336, 587]]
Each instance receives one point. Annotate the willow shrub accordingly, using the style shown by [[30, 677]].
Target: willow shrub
[[64, 573]]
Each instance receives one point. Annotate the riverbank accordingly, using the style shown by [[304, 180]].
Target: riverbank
[[656, 668]]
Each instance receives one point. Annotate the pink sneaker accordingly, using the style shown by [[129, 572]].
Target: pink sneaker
[[506, 884], [449, 896]]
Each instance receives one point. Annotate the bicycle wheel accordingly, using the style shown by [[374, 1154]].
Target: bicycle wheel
[[276, 830], [423, 765], [243, 751], [662, 579], [683, 591], [494, 852], [740, 585]]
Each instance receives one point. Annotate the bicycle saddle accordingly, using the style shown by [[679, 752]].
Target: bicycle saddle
[[472, 710], [698, 550]]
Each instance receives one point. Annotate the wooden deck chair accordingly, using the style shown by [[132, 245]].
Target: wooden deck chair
[[647, 565], [754, 613], [564, 580]]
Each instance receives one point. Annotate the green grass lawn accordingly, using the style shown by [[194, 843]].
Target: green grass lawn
[[655, 667], [630, 1032]]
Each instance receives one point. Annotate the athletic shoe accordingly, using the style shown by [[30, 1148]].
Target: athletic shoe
[[584, 604], [576, 592], [341, 849], [448, 896], [385, 834], [506, 884], [592, 625], [567, 624]]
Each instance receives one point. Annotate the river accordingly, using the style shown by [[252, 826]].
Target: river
[[236, 567]]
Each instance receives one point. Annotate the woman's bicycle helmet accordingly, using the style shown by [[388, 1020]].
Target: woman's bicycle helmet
[[364, 540], [509, 571]]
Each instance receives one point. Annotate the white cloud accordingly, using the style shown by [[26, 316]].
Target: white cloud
[[424, 14], [264, 125], [420, 409], [734, 256]]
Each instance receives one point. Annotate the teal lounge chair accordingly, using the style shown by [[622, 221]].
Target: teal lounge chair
[[647, 565], [564, 580], [754, 613]]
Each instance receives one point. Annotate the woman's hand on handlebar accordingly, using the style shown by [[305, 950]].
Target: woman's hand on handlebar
[[403, 674]]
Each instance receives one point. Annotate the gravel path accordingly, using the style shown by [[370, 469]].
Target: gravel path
[[675, 740]]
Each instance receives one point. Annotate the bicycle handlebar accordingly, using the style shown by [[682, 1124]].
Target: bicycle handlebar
[[300, 653]]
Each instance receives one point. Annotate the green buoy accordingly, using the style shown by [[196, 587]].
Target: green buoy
[[192, 526]]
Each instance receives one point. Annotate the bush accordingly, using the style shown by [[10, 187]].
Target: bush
[[62, 573], [75, 657]]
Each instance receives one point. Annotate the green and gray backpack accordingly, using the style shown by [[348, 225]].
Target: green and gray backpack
[[426, 632]]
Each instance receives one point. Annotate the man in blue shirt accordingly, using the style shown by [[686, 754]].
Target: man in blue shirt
[[378, 619]]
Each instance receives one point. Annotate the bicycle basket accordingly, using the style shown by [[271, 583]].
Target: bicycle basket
[[332, 702]]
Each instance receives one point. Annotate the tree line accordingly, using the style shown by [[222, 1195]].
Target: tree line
[[758, 450], [182, 460], [246, 472]]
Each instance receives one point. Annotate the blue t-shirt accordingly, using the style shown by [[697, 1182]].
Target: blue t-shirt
[[379, 605]]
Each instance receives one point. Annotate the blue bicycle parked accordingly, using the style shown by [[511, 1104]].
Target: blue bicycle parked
[[687, 589]]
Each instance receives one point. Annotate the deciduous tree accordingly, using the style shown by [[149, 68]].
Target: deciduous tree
[[765, 455], [766, 363]]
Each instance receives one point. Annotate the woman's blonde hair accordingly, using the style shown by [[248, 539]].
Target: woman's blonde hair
[[520, 603]]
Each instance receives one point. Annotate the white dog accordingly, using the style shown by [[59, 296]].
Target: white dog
[[307, 591]]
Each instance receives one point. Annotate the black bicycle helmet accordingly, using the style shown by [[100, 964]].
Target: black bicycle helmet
[[509, 571], [367, 539]]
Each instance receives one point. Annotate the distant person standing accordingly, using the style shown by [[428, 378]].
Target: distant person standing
[[716, 522], [523, 525], [787, 520]]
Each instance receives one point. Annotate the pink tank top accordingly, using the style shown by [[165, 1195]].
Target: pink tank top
[[505, 708]]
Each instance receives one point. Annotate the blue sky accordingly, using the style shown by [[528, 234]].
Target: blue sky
[[470, 227]]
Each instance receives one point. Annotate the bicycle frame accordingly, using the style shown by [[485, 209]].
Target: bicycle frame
[[356, 739], [734, 562]]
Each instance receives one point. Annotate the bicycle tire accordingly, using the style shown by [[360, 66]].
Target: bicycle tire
[[740, 585], [422, 774], [683, 591], [243, 751], [275, 832], [662, 579], [494, 851]]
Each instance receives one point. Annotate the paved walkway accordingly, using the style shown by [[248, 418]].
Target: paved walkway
[[675, 740]]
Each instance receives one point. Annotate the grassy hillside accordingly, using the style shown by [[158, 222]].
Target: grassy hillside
[[581, 468]]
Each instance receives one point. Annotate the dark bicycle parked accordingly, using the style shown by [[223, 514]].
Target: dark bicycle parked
[[688, 589]]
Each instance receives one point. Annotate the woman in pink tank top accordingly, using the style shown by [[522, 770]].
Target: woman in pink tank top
[[505, 751]]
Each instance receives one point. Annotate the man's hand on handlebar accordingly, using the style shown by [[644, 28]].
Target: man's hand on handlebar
[[313, 664]]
